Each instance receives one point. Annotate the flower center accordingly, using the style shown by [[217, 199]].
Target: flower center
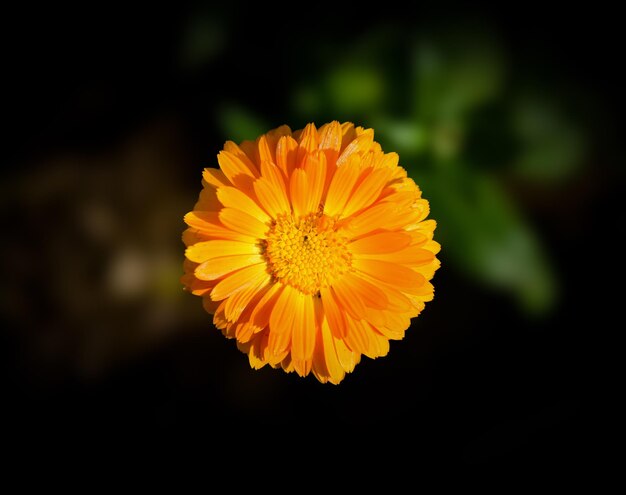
[[306, 253]]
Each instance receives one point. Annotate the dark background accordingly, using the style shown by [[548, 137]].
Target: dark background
[[111, 113]]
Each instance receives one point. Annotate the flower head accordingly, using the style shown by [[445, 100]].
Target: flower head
[[310, 248]]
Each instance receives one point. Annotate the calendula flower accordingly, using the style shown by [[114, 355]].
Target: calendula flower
[[310, 248]]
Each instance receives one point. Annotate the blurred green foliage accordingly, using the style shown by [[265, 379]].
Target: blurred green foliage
[[240, 123], [550, 144], [463, 129]]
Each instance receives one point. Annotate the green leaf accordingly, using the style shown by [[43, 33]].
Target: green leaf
[[484, 236]]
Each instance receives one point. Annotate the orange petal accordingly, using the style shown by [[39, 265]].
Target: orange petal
[[372, 219], [272, 198], [413, 256], [360, 145], [336, 369], [367, 191], [190, 238], [210, 306], [238, 280], [243, 223], [286, 364], [396, 326], [319, 369], [389, 160], [247, 312], [418, 304], [303, 339], [402, 199], [348, 134], [370, 160], [258, 350], [357, 339], [278, 346], [419, 239], [315, 167], [393, 274], [385, 242], [236, 303], [330, 136], [378, 344], [273, 354], [215, 177], [424, 208], [347, 358], [219, 320], [218, 267], [353, 305], [429, 270], [281, 319], [307, 142], [425, 292], [274, 174], [433, 246], [396, 300], [189, 266], [208, 223], [274, 136], [407, 184], [265, 153], [334, 315], [239, 152], [427, 227], [286, 154], [330, 140], [376, 317], [203, 220], [233, 166], [244, 332], [260, 315], [340, 187], [318, 365], [380, 216], [212, 249], [193, 236], [370, 294], [299, 192], [207, 200], [195, 286], [328, 366], [233, 198], [251, 150]]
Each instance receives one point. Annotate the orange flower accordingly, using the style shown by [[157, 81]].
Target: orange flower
[[310, 248]]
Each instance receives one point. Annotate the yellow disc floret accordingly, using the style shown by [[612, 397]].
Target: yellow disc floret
[[306, 253]]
